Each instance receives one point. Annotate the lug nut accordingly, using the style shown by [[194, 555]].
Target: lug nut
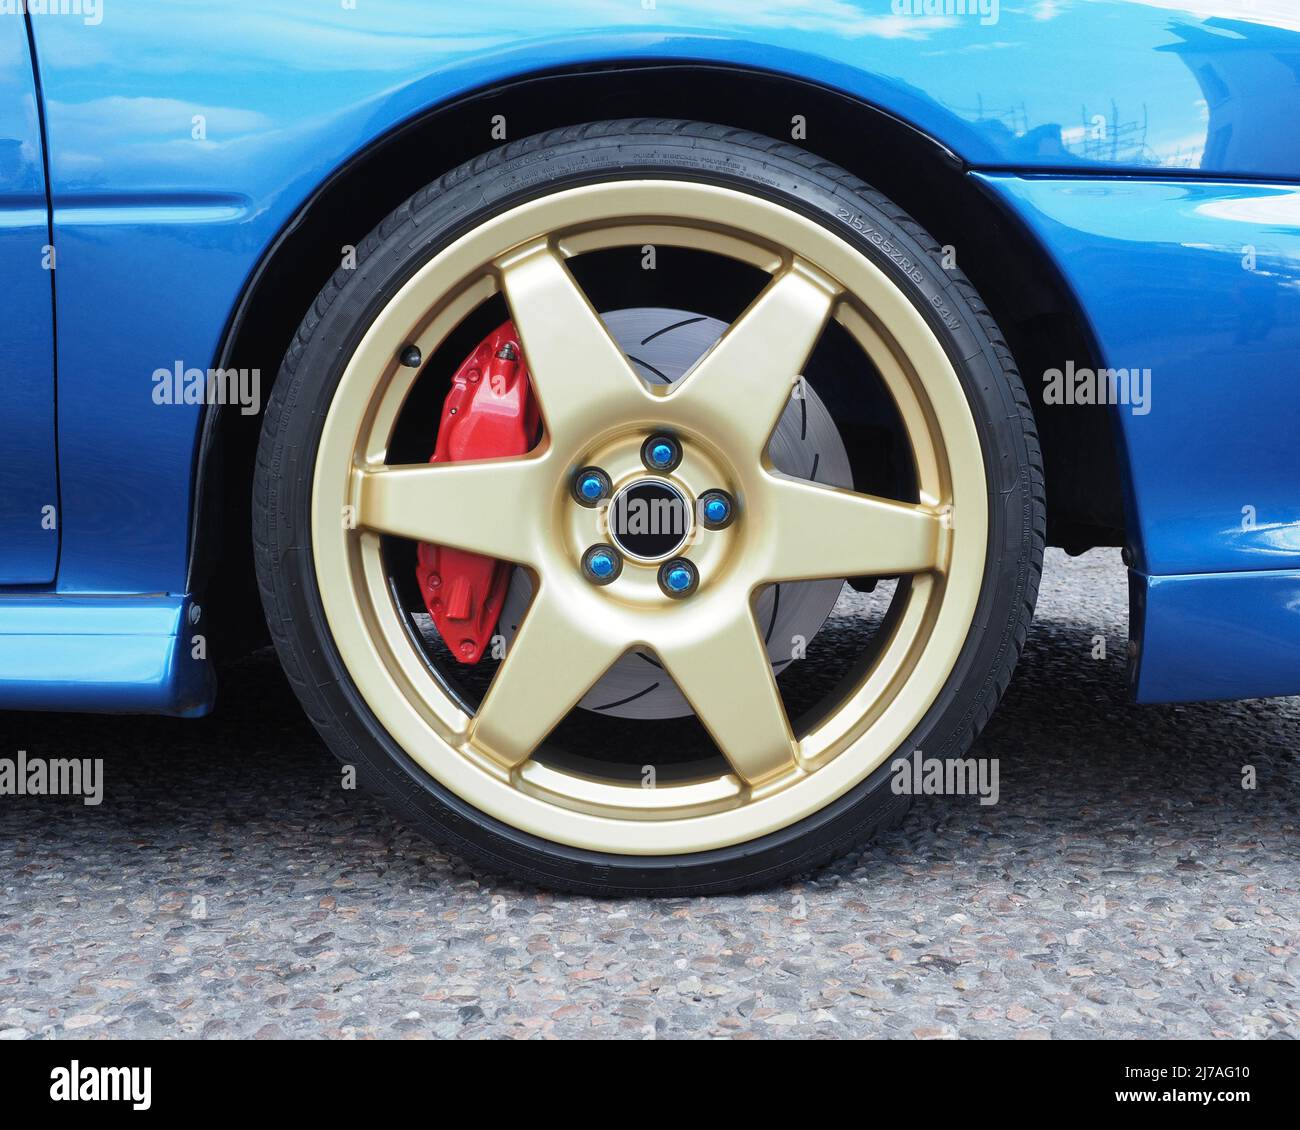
[[717, 509], [602, 564], [661, 453], [678, 577], [591, 486]]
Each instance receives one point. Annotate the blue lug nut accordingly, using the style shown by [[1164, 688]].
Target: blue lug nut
[[590, 486], [602, 564], [661, 453], [716, 509], [678, 577]]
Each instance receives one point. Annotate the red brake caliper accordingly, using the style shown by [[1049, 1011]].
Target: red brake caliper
[[489, 413]]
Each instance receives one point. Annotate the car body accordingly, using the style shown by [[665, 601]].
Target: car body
[[195, 176]]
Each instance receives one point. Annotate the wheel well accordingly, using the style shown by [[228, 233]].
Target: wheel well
[[1021, 286]]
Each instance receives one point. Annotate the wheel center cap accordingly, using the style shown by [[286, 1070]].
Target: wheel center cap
[[649, 519]]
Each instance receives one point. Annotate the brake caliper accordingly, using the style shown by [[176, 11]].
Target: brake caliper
[[490, 413]]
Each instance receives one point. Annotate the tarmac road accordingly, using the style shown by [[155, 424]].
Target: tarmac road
[[1125, 884]]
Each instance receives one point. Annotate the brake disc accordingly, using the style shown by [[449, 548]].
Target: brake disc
[[664, 344]]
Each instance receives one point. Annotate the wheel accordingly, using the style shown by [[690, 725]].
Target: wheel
[[746, 344]]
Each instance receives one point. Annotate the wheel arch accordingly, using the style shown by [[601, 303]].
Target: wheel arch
[[1014, 274]]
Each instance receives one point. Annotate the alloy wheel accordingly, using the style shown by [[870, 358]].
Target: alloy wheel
[[598, 413]]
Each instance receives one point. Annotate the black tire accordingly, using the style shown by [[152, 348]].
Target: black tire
[[581, 155]]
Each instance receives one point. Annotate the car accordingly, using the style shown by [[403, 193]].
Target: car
[[638, 426]]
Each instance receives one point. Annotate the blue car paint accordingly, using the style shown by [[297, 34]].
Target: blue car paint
[[287, 86], [1199, 283], [172, 225], [1215, 635], [113, 655], [29, 526], [171, 181]]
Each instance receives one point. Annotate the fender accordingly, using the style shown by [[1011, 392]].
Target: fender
[[169, 184]]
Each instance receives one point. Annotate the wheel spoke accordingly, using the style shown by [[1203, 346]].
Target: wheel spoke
[[578, 372], [743, 384], [550, 664], [822, 531], [727, 677], [476, 506]]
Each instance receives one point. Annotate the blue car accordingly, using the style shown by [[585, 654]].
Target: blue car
[[637, 426]]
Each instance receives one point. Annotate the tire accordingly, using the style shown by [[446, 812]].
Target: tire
[[591, 154]]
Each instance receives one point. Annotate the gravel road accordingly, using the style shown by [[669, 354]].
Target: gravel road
[[1125, 885]]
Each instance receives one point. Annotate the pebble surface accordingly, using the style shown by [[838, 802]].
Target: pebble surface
[[1125, 885]]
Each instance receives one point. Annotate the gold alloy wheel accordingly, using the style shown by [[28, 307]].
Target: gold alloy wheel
[[597, 412]]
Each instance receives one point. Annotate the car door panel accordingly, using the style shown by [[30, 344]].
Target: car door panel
[[29, 518]]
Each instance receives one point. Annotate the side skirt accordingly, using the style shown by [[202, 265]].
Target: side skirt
[[105, 654], [1207, 636]]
